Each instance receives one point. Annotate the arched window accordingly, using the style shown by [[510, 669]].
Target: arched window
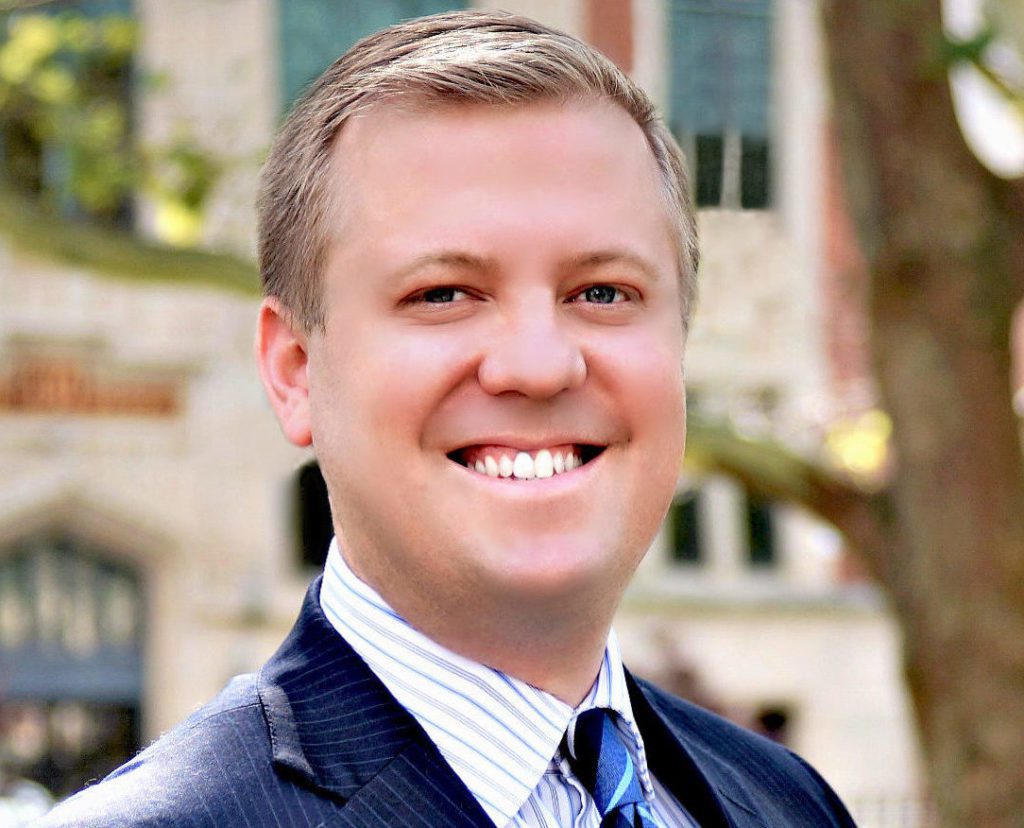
[[71, 661]]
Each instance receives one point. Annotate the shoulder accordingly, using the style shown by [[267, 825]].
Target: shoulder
[[213, 769], [748, 769]]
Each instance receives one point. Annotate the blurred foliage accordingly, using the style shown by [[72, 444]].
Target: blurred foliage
[[29, 228], [180, 178], [859, 446], [66, 125]]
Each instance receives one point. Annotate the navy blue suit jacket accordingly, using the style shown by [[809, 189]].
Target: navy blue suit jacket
[[315, 739]]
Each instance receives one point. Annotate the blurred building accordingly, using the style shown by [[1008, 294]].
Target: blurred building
[[157, 532]]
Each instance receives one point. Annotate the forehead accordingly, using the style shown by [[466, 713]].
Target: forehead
[[557, 155], [557, 124]]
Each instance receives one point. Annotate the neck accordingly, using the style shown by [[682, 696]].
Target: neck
[[559, 658], [553, 643]]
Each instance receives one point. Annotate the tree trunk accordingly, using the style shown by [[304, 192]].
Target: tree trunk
[[943, 239]]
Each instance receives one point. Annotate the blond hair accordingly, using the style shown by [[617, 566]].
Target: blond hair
[[460, 57]]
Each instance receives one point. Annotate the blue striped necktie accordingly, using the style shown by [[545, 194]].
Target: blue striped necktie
[[601, 761]]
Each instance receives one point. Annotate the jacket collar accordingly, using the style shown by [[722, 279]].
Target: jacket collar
[[694, 771], [335, 727]]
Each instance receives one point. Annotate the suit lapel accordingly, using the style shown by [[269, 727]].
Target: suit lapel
[[334, 727], [708, 790], [416, 790]]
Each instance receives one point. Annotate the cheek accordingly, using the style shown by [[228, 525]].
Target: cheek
[[660, 435], [653, 393], [658, 393], [647, 372], [378, 389]]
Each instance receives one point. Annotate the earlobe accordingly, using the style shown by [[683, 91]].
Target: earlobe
[[281, 353]]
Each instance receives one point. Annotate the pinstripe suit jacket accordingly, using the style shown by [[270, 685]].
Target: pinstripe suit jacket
[[315, 739]]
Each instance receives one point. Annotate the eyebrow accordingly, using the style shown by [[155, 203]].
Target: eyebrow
[[605, 257], [446, 258], [468, 261]]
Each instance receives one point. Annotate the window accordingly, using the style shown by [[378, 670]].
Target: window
[[314, 527], [72, 625], [720, 59], [68, 744], [761, 550], [684, 529], [708, 162], [315, 32], [755, 181]]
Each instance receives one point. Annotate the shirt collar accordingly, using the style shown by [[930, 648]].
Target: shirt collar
[[610, 691], [499, 734]]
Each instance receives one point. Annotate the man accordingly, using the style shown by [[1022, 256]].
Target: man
[[478, 255]]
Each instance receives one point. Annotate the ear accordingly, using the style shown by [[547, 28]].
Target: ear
[[282, 356]]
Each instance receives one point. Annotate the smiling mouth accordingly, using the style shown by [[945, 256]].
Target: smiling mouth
[[515, 464]]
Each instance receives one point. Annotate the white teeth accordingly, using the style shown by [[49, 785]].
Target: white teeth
[[491, 466], [522, 467], [543, 465], [525, 466]]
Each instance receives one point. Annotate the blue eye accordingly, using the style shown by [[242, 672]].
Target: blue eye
[[601, 294], [440, 296]]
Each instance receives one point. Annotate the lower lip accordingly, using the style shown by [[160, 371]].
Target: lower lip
[[542, 486]]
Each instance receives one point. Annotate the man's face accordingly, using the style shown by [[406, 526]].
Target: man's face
[[502, 295]]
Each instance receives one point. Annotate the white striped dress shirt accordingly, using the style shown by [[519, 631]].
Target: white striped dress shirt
[[500, 735]]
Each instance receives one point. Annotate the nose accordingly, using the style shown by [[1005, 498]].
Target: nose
[[533, 354]]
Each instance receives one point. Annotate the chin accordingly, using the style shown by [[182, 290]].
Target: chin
[[555, 569]]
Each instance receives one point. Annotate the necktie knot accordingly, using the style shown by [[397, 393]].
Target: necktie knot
[[602, 763]]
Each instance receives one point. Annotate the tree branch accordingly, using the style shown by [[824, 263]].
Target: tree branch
[[770, 470], [26, 227], [1015, 197], [24, 5], [1012, 94]]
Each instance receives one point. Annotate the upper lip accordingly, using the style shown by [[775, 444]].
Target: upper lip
[[530, 444]]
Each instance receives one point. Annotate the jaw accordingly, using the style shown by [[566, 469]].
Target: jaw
[[513, 561]]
